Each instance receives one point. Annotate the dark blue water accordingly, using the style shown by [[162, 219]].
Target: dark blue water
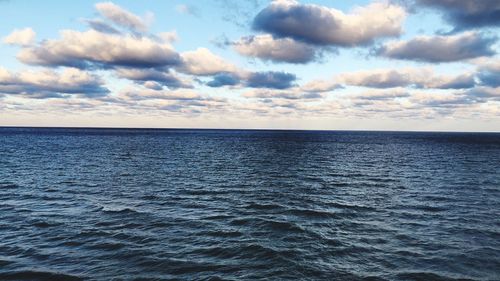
[[98, 204]]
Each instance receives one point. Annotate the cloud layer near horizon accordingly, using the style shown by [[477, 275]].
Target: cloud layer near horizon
[[77, 66]]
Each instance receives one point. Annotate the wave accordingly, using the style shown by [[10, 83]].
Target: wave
[[119, 210], [107, 246], [428, 276], [8, 185], [351, 207], [222, 233], [269, 224], [44, 224], [258, 206], [39, 276], [309, 213], [248, 251]]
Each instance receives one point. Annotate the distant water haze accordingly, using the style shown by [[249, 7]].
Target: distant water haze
[[99, 204]]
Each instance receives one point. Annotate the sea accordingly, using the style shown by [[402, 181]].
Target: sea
[[183, 204]]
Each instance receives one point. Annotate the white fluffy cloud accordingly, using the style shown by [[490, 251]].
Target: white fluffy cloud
[[203, 62], [327, 26], [23, 37], [95, 49], [121, 17]]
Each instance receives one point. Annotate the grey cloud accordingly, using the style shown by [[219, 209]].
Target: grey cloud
[[457, 101], [325, 26], [448, 101], [101, 26], [163, 77], [172, 100], [472, 96], [463, 81], [51, 84], [489, 78], [467, 14], [440, 48], [271, 79], [149, 94], [266, 47], [484, 93], [224, 79]]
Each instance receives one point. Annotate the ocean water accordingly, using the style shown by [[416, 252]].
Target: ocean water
[[113, 204]]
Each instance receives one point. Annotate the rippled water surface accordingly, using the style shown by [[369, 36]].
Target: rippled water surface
[[99, 204]]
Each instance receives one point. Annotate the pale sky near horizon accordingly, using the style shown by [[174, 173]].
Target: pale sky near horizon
[[371, 65]]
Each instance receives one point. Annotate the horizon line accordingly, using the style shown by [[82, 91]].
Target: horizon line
[[242, 129]]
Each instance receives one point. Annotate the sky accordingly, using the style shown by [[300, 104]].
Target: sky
[[423, 65]]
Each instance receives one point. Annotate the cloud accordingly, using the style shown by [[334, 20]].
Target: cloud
[[460, 99], [381, 78], [321, 25], [266, 47], [270, 79], [169, 36], [178, 100], [406, 77], [121, 17], [150, 94], [485, 93], [490, 78], [93, 49], [319, 86], [445, 100], [489, 64], [291, 94], [467, 14], [101, 26], [440, 48], [22, 37], [187, 10], [239, 13], [488, 71], [422, 78], [153, 85], [162, 77], [48, 83], [462, 81], [224, 79], [378, 94], [203, 62]]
